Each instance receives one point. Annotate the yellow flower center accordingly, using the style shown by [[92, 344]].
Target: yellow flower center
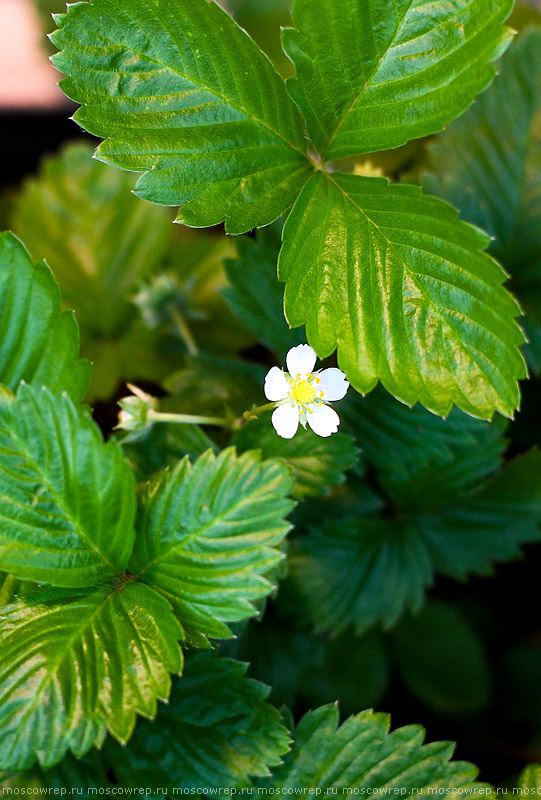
[[303, 392]]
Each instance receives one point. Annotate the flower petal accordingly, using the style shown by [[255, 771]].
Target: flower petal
[[301, 360], [333, 384], [285, 420], [322, 419], [276, 384]]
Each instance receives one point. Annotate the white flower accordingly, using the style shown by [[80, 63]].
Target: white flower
[[302, 394]]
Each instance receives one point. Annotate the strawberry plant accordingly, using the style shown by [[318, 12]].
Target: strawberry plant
[[257, 529]]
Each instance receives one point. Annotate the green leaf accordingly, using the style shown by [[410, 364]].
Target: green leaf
[[99, 239], [6, 395], [10, 587], [438, 485], [360, 572], [488, 164], [74, 776], [305, 670], [355, 669], [279, 656], [490, 524], [75, 664], [405, 291], [401, 442], [530, 780], [362, 753], [255, 296], [67, 504], [441, 660], [207, 534], [316, 463], [101, 242], [39, 343], [163, 445], [372, 76], [216, 731], [367, 571], [219, 137]]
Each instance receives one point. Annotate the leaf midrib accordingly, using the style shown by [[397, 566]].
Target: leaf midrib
[[365, 85], [199, 532], [144, 56], [374, 71], [392, 246], [421, 289], [58, 500], [77, 634]]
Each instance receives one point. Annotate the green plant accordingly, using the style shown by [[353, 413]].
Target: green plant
[[135, 557]]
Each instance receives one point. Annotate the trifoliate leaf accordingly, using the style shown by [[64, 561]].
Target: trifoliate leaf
[[437, 485], [366, 571], [207, 534], [362, 754], [441, 660], [504, 117], [405, 291], [316, 463], [255, 296], [489, 524], [360, 572], [100, 242], [74, 664], [488, 164], [221, 138], [399, 441], [67, 503], [306, 670], [373, 76], [216, 731], [39, 342]]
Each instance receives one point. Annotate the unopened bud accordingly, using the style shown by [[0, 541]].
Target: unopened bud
[[136, 408]]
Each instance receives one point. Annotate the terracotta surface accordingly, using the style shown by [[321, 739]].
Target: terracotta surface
[[27, 78]]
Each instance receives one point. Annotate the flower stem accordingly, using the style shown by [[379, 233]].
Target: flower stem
[[191, 419], [185, 332], [253, 413], [187, 419]]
